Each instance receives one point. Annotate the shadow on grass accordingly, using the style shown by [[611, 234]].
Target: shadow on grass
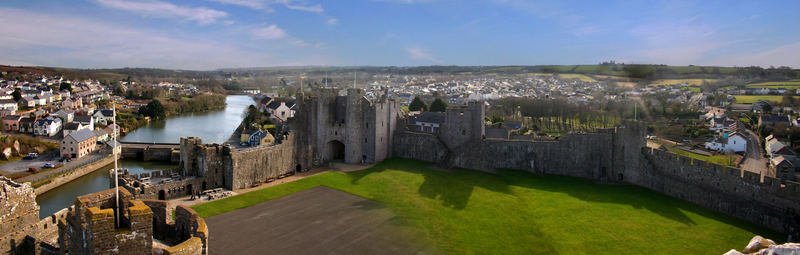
[[638, 197], [586, 190], [453, 192]]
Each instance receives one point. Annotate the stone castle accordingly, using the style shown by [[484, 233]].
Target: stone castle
[[348, 127], [94, 225], [332, 126]]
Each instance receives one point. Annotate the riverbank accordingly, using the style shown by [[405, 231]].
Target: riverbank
[[59, 179]]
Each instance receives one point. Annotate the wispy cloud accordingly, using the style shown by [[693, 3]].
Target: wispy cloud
[[417, 53], [298, 5], [783, 55], [269, 32], [153, 8], [678, 43], [61, 40], [332, 21]]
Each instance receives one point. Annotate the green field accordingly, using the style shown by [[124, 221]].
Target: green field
[[749, 99], [692, 82], [776, 84], [513, 212]]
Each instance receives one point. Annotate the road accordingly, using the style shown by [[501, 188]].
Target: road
[[754, 161], [22, 165]]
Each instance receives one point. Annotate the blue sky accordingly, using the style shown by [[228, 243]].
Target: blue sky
[[210, 34]]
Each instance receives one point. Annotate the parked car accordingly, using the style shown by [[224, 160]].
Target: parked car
[[64, 160], [33, 169], [48, 165], [31, 155]]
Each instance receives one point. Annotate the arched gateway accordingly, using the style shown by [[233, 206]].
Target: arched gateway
[[335, 150]]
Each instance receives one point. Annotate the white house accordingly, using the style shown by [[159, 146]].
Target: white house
[[8, 104], [103, 116], [735, 142], [47, 127], [280, 111]]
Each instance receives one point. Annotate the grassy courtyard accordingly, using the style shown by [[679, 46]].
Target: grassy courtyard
[[513, 212]]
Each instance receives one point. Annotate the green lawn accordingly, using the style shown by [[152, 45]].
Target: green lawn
[[514, 212], [749, 99], [774, 84]]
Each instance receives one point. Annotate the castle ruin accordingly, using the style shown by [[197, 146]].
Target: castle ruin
[[330, 126]]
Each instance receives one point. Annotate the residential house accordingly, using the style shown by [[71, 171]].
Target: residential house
[[8, 104], [776, 148], [67, 115], [101, 134], [26, 125], [734, 142], [784, 169], [85, 120], [771, 120], [260, 137], [263, 102], [27, 101], [11, 123], [71, 127], [426, 122], [78, 144], [103, 116], [47, 127], [72, 103], [281, 111]]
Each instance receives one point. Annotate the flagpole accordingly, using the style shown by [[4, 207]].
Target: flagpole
[[116, 170]]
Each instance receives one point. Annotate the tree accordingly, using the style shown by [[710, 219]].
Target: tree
[[438, 105], [16, 94], [154, 110], [65, 86], [416, 105]]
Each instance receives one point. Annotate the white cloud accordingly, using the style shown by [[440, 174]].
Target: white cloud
[[270, 32], [42, 39], [416, 53], [675, 43], [253, 4], [153, 8], [332, 21], [298, 5], [783, 55]]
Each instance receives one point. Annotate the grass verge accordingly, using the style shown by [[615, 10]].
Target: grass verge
[[514, 212]]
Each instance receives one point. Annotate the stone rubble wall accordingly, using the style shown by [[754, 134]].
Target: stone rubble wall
[[774, 204], [19, 216], [258, 164]]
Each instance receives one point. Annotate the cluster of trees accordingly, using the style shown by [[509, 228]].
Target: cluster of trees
[[555, 114], [438, 105], [143, 93], [155, 110], [252, 116], [197, 103]]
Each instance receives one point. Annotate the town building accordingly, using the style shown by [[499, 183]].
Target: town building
[[78, 144], [47, 127]]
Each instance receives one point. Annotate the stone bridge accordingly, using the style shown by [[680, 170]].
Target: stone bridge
[[169, 152]]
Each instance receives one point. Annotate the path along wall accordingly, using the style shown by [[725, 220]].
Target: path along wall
[[258, 164], [774, 204]]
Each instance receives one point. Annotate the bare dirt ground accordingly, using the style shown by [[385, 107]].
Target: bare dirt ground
[[320, 220]]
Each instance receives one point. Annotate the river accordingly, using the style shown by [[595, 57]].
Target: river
[[213, 127]]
